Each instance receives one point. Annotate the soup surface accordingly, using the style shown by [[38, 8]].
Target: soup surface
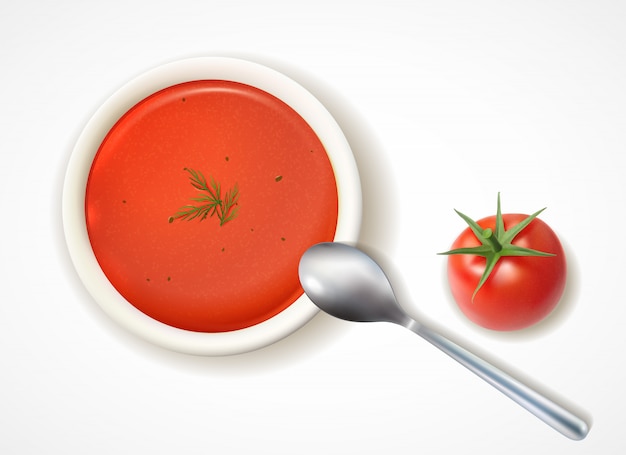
[[201, 200]]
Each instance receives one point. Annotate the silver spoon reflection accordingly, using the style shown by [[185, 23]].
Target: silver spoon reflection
[[346, 283]]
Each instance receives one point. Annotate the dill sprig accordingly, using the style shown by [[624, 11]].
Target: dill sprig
[[210, 202]]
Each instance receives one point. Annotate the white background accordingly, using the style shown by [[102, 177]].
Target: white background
[[445, 103]]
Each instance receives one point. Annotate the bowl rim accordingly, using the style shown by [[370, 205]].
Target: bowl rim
[[74, 189]]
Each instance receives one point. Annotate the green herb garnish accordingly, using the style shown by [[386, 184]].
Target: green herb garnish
[[211, 202]]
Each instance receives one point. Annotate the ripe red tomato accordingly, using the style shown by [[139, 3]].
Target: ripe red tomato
[[520, 290]]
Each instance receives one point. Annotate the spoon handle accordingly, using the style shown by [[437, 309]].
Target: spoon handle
[[551, 413]]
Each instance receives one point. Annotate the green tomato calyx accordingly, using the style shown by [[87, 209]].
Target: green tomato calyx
[[496, 244]]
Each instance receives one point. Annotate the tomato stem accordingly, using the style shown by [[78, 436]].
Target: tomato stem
[[496, 244], [492, 239]]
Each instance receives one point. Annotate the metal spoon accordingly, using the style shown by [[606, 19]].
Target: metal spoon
[[346, 283]]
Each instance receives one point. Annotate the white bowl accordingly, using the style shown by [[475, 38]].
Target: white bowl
[[85, 262]]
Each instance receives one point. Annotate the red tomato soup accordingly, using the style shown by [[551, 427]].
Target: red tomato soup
[[204, 274]]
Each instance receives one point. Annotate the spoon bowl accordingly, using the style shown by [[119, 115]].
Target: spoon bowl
[[346, 283]]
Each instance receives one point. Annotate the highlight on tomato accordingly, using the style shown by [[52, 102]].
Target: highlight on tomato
[[508, 271]]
